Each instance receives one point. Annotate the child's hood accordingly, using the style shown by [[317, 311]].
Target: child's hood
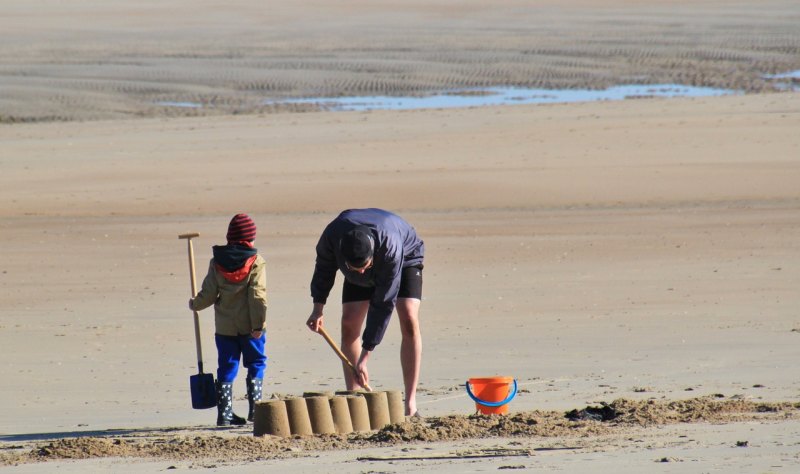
[[234, 261]]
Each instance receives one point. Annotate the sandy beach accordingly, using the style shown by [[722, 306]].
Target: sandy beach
[[644, 251]]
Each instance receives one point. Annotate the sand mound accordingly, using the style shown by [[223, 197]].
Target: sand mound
[[232, 445]]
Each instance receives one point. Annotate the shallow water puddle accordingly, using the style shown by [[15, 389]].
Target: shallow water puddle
[[478, 97], [503, 96], [185, 105], [787, 81], [785, 75]]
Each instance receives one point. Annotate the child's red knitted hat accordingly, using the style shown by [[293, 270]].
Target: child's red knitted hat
[[241, 229]]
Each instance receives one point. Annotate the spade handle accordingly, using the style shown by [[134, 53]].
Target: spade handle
[[341, 355], [189, 238]]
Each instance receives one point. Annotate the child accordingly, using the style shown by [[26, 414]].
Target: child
[[236, 285]]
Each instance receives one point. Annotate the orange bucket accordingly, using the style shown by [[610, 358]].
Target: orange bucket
[[492, 394]]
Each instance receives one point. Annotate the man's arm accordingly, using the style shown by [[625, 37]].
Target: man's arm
[[324, 269]]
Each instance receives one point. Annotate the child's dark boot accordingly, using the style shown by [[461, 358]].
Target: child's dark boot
[[225, 414], [254, 393]]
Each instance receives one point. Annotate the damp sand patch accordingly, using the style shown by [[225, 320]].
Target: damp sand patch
[[213, 445]]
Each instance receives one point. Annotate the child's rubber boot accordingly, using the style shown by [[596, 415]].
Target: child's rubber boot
[[225, 414], [254, 394]]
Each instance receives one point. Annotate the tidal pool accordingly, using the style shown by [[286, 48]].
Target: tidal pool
[[785, 81], [503, 96]]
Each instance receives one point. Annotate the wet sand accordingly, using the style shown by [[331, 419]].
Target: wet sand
[[86, 60], [636, 250]]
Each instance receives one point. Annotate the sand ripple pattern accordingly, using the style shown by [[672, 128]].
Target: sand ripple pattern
[[234, 67]]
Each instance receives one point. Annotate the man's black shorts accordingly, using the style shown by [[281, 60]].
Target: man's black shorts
[[410, 287]]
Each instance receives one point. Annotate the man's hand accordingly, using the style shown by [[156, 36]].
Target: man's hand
[[256, 333], [362, 374], [314, 322]]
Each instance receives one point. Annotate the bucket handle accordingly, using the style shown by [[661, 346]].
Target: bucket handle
[[493, 404]]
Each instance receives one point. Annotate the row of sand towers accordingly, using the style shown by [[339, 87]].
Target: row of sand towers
[[328, 413]]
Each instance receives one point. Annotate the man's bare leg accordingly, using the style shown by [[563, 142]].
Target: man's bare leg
[[353, 315], [410, 349]]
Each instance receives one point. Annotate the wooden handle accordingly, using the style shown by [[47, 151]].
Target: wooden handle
[[341, 354], [189, 238], [198, 346]]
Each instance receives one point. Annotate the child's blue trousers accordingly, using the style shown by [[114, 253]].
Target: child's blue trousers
[[231, 349]]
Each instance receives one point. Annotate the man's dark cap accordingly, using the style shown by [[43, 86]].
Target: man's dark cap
[[357, 246]]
